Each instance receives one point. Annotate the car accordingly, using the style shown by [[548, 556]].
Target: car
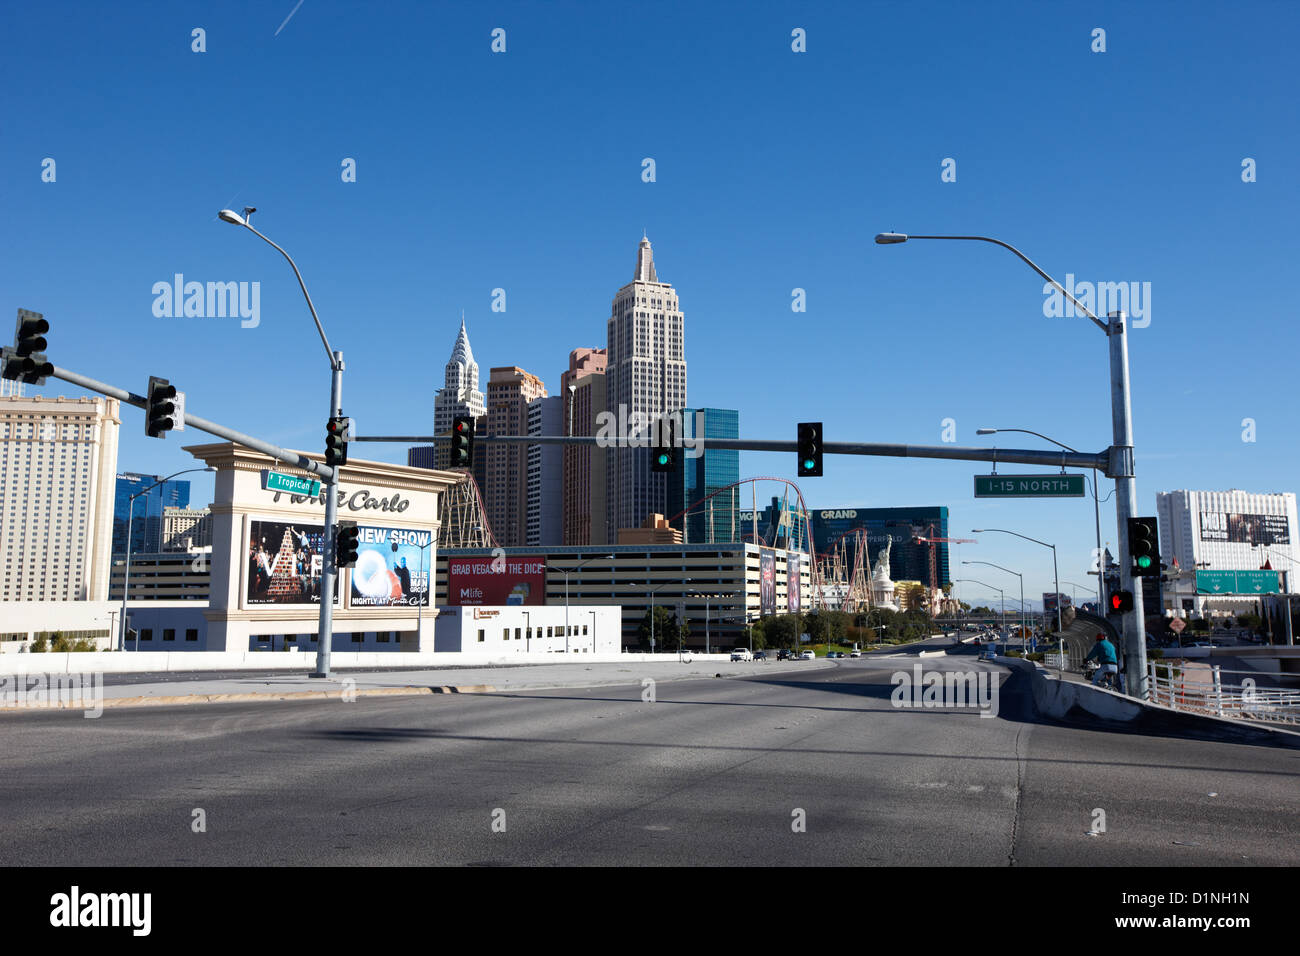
[[807, 656], [760, 656], [784, 654], [834, 654], [741, 654], [855, 653]]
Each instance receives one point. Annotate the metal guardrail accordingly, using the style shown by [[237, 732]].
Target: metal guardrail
[[1203, 691]]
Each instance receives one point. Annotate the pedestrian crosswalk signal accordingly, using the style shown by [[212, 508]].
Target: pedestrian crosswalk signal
[[1121, 602]]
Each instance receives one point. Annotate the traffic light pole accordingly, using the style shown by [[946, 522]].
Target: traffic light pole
[[329, 564], [1135, 646]]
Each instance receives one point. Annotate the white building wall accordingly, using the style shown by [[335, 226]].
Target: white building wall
[[533, 629]]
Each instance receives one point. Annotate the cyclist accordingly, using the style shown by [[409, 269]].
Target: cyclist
[[1103, 651]]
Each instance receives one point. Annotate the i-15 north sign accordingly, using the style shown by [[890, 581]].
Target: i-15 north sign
[[1029, 486]]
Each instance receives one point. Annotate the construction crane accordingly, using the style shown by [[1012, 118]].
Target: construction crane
[[919, 538]]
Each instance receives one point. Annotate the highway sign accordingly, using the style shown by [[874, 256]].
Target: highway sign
[[1029, 486], [275, 481], [1236, 582]]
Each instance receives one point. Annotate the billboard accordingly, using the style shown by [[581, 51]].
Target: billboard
[[1049, 602], [496, 580], [792, 591], [766, 581], [1238, 528], [392, 568], [284, 563]]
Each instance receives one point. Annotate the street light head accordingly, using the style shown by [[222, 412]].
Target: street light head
[[986, 431], [229, 215], [976, 530], [890, 238]]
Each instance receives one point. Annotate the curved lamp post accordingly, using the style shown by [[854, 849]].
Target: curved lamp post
[[1121, 452], [329, 568]]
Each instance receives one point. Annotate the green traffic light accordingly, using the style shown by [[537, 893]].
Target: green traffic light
[[663, 459], [809, 464], [1144, 562]]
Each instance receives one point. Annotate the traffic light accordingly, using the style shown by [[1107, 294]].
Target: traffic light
[[810, 449], [345, 548], [462, 441], [166, 410], [336, 445], [664, 457], [26, 360], [1121, 602], [1144, 546]]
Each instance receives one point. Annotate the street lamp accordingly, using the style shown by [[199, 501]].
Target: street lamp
[[1096, 504], [1121, 452], [130, 516], [1055, 576], [565, 572], [1022, 592], [1003, 596], [328, 563]]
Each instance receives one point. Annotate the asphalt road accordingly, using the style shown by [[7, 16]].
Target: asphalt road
[[713, 772]]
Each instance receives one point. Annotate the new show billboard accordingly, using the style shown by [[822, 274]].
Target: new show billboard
[[766, 581], [1237, 528], [496, 580], [284, 563], [792, 590], [392, 568]]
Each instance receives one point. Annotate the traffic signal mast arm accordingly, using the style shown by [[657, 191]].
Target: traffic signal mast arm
[[1101, 460], [202, 424]]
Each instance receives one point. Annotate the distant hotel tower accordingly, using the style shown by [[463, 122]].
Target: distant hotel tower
[[646, 374], [458, 396]]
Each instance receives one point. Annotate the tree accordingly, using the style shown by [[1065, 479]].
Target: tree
[[782, 630], [665, 629]]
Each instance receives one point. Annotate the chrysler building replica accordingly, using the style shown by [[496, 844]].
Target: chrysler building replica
[[459, 395], [645, 377]]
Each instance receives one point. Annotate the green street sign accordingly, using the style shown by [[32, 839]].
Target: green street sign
[[292, 484], [1236, 582], [1029, 486]]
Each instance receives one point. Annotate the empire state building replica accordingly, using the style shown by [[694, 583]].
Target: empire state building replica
[[646, 376]]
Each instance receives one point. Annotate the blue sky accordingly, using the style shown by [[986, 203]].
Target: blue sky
[[775, 169]]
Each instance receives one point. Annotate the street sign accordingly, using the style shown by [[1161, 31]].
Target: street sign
[[292, 484], [1177, 625], [1029, 486], [1236, 582]]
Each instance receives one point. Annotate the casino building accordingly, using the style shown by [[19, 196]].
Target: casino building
[[907, 561]]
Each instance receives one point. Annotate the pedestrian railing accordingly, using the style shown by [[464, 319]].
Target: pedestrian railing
[[1210, 689]]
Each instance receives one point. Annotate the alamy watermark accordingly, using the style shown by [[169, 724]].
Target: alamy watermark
[[42, 691], [945, 690], [213, 300], [624, 429], [1101, 298]]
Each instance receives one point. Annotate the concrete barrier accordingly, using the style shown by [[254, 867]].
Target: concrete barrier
[[1066, 700], [162, 662]]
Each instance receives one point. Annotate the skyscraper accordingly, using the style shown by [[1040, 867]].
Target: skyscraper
[[505, 473], [645, 377], [545, 474], [697, 478], [459, 395], [146, 517], [583, 392], [57, 461]]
